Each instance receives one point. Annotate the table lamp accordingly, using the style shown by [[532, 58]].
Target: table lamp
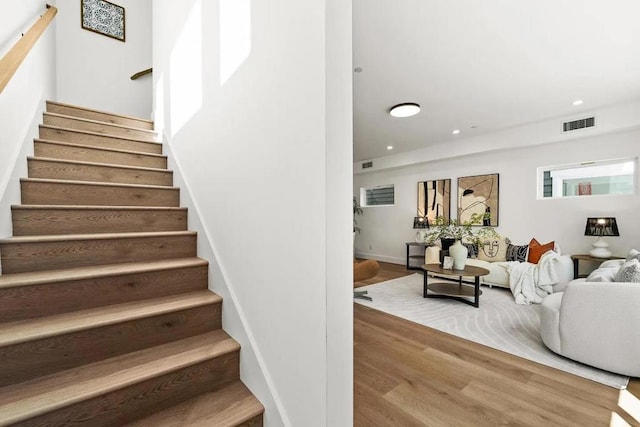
[[601, 227], [420, 223]]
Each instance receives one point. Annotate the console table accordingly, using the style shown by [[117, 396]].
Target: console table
[[586, 257], [415, 260], [456, 290]]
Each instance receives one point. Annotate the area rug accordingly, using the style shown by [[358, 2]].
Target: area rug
[[499, 323]]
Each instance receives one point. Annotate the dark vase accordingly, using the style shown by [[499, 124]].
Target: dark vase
[[446, 244]]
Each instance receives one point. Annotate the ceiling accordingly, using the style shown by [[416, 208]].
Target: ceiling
[[481, 66]]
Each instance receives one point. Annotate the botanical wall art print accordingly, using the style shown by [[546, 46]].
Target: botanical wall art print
[[103, 17], [434, 199], [478, 194]]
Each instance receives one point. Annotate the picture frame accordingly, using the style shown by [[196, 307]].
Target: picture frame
[[479, 194], [434, 199], [103, 17], [447, 263]]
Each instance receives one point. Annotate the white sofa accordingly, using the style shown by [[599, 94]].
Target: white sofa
[[596, 323], [499, 274]]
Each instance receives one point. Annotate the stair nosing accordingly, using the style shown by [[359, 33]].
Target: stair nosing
[[99, 122], [94, 147], [109, 165], [100, 111], [87, 132], [33, 278], [39, 328], [98, 207], [118, 378], [99, 183], [43, 238]]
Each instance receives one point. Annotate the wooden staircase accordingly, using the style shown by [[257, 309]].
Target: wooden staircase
[[106, 315]]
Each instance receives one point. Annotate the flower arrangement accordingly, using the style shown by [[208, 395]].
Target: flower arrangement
[[444, 228]]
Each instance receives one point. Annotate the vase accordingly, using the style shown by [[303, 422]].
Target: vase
[[459, 254]]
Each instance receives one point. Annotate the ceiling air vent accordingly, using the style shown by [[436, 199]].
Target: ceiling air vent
[[367, 165], [579, 124]]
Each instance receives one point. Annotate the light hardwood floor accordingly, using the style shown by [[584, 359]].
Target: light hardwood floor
[[406, 374]]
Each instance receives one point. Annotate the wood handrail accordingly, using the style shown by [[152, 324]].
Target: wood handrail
[[141, 73], [11, 60]]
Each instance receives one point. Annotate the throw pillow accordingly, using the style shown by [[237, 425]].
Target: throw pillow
[[517, 253], [612, 263], [472, 248], [633, 254], [493, 249], [536, 250], [629, 272], [603, 275]]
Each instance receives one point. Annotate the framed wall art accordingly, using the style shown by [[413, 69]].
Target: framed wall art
[[103, 17], [434, 199], [478, 195]]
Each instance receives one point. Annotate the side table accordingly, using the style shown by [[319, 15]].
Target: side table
[[586, 257], [415, 260]]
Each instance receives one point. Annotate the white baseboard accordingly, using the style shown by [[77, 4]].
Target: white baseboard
[[382, 258]]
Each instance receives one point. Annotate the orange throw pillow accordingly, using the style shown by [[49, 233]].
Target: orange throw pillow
[[536, 250]]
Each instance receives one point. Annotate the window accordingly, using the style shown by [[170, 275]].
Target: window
[[382, 195], [588, 179]]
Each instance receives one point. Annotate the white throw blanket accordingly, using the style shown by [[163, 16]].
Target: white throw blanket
[[530, 283]]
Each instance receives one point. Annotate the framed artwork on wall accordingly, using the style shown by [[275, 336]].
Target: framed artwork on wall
[[478, 195], [434, 199], [103, 17]]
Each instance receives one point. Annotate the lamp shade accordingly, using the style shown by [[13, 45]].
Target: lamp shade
[[420, 222], [601, 227]]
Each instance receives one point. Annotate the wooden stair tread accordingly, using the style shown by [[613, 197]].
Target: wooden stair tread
[[109, 165], [99, 122], [93, 147], [60, 324], [99, 207], [88, 132], [94, 272], [230, 406], [95, 183], [99, 111], [96, 236], [25, 400]]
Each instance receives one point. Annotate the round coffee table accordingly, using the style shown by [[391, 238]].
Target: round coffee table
[[455, 289]]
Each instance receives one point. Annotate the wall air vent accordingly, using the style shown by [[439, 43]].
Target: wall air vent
[[367, 165], [579, 124]]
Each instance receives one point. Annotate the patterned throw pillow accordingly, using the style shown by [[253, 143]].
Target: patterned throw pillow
[[472, 248], [536, 250], [629, 272], [517, 253], [493, 249]]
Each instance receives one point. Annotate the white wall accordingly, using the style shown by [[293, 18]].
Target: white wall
[[94, 70], [521, 215], [254, 100], [22, 101]]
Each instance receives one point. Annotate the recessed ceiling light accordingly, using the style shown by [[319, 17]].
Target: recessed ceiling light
[[357, 69], [389, 147], [407, 109], [577, 102], [456, 131]]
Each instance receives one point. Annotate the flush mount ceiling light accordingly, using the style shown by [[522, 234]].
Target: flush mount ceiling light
[[577, 102], [407, 109], [456, 131]]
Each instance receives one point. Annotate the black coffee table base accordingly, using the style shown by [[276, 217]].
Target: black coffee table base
[[457, 291]]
